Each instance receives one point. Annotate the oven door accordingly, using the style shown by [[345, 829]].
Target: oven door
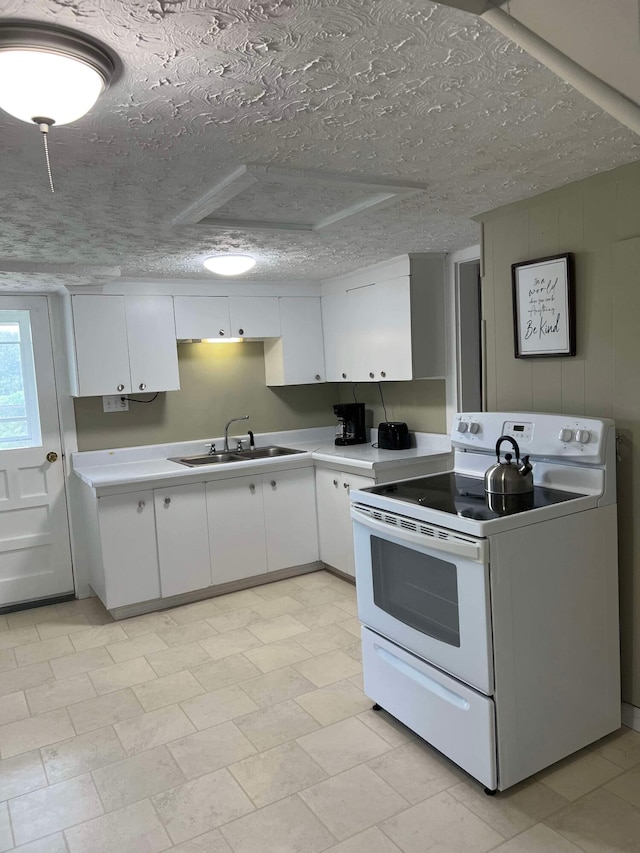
[[427, 589]]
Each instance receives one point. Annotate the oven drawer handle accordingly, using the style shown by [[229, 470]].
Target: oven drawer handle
[[421, 679], [475, 551]]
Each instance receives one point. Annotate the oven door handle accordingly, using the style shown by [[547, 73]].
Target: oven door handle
[[472, 550]]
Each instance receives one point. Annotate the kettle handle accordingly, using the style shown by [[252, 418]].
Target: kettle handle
[[513, 442]]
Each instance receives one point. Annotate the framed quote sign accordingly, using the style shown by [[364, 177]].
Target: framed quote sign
[[544, 311]]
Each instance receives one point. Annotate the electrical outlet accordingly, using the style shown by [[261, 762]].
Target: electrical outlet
[[115, 404]]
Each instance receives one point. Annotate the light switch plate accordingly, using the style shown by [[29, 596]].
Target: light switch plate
[[115, 404]]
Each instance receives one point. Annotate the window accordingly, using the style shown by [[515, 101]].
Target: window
[[19, 417]]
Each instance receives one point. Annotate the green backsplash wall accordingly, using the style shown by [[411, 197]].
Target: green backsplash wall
[[219, 382]]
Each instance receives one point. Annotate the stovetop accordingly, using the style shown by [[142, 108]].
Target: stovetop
[[465, 496]]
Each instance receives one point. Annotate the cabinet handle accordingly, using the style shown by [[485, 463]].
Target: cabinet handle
[[120, 388], [318, 377], [221, 333], [252, 488], [241, 331], [346, 485], [383, 373], [273, 484], [335, 483], [142, 386], [167, 501], [344, 375], [140, 504], [371, 375]]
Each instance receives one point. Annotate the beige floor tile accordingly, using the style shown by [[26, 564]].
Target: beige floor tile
[[18, 637], [335, 702], [177, 658], [148, 624], [21, 774], [349, 606], [210, 749], [386, 726], [230, 643], [353, 626], [234, 619], [277, 629], [189, 633], [277, 773], [24, 677], [276, 655], [314, 580], [167, 690], [577, 775], [13, 707], [43, 650], [318, 617], [343, 745], [326, 638], [201, 805], [224, 672], [7, 660], [91, 606], [153, 729], [81, 754], [621, 747], [108, 679], [218, 707], [137, 778], [79, 662], [328, 668], [128, 649], [195, 612], [440, 825], [354, 651], [599, 822], [210, 842], [54, 808], [99, 636], [133, 829], [270, 608], [538, 839], [104, 711], [49, 844], [4, 625], [32, 616], [627, 787], [272, 726], [61, 627], [277, 686], [369, 841], [59, 694], [34, 732], [316, 596], [352, 801], [416, 771], [236, 600], [275, 589], [513, 811], [6, 836], [284, 827]]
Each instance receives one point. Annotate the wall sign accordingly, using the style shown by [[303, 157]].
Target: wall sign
[[544, 313]]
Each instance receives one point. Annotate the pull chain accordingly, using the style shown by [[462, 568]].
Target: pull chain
[[44, 129]]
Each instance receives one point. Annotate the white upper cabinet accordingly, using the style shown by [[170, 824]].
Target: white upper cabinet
[[122, 344], [379, 326], [297, 358], [254, 316], [202, 317]]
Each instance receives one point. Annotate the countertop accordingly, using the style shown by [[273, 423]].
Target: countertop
[[150, 464]]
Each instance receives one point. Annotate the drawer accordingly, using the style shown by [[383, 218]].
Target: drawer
[[446, 713]]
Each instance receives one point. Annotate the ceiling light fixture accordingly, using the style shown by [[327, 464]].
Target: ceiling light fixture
[[50, 75], [229, 264]]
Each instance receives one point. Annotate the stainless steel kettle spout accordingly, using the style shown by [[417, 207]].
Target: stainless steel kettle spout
[[505, 478]]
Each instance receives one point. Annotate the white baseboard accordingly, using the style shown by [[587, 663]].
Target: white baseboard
[[631, 716]]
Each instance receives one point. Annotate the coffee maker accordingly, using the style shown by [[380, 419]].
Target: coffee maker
[[350, 429]]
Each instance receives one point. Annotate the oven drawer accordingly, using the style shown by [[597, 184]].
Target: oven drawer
[[446, 713]]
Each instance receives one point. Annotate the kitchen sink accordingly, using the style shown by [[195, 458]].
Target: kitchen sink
[[236, 456]]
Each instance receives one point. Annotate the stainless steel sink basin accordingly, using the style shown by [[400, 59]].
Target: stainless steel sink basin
[[236, 456]]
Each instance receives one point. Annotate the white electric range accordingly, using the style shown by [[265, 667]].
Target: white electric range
[[490, 625]]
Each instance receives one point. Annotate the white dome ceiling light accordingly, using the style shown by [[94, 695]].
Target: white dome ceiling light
[[50, 75], [229, 264]]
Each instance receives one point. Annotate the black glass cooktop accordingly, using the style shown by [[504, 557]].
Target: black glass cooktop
[[466, 497]]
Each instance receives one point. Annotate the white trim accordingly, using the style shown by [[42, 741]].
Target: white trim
[[631, 716]]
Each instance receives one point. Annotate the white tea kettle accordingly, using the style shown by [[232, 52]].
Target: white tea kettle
[[507, 478]]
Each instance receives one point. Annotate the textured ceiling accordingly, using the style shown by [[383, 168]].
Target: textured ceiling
[[404, 90]]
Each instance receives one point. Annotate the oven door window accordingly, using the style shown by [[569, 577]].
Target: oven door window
[[417, 589]]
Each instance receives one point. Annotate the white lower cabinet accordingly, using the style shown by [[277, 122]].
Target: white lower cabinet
[[183, 539], [290, 518], [334, 517]]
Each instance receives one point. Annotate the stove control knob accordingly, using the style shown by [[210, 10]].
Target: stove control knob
[[474, 427], [463, 426], [566, 434], [583, 436]]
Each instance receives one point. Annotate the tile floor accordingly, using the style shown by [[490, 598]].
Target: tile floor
[[239, 725]]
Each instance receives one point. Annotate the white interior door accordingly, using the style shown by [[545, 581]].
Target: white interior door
[[35, 555]]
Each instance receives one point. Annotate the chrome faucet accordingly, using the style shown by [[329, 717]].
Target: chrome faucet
[[226, 430]]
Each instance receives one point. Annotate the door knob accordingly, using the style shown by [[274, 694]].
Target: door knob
[[52, 456]]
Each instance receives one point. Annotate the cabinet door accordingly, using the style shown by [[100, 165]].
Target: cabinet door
[[391, 330], [348, 482], [297, 358], [290, 518], [153, 353], [202, 317], [254, 316], [235, 511], [101, 348], [330, 522], [338, 343], [363, 319], [129, 552], [183, 539]]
